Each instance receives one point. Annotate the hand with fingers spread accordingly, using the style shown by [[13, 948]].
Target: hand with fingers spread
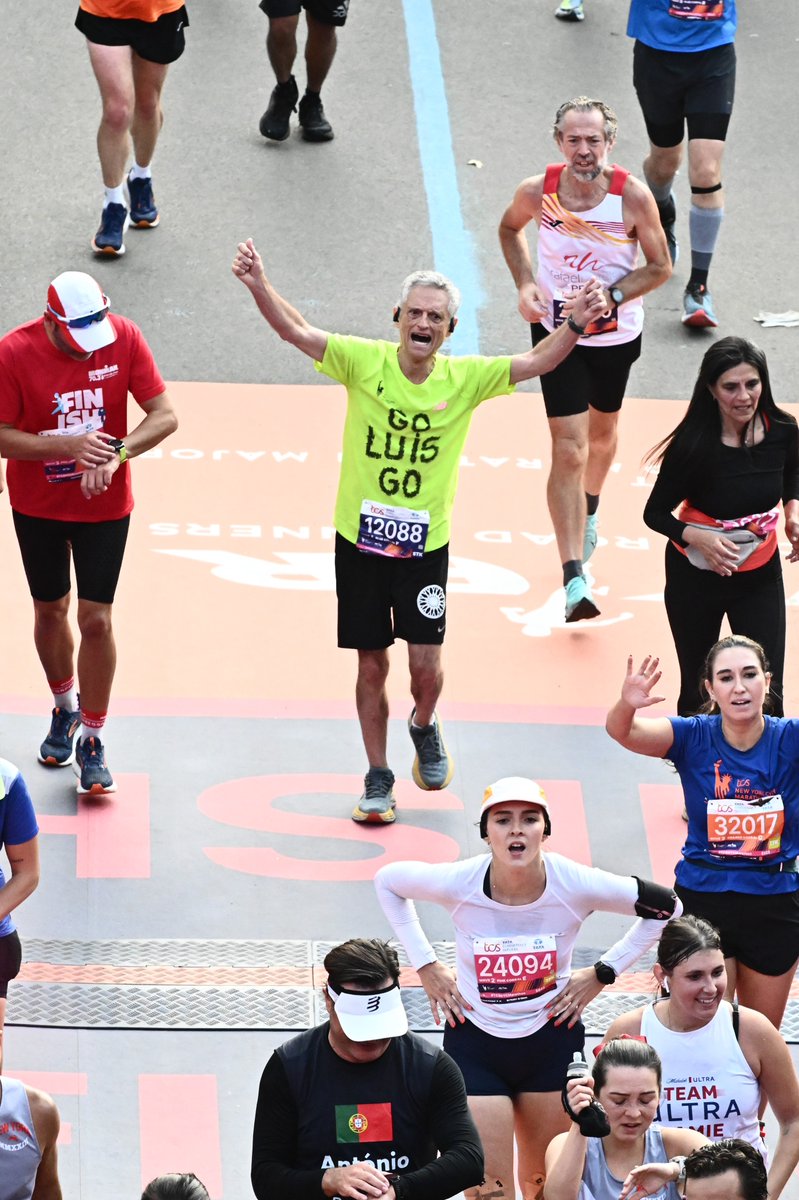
[[569, 1005], [637, 687], [441, 985]]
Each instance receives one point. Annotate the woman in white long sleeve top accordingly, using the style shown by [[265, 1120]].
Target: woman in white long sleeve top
[[512, 1009]]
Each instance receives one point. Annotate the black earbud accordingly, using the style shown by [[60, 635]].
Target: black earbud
[[397, 312], [451, 324]]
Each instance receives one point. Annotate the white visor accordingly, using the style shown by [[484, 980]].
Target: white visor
[[369, 1016]]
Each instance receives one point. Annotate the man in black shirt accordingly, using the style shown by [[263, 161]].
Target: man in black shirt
[[359, 1107]]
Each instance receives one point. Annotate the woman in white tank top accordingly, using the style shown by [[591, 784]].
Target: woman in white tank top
[[626, 1082], [714, 1073]]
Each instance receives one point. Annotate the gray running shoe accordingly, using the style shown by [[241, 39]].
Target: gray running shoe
[[432, 768], [377, 804]]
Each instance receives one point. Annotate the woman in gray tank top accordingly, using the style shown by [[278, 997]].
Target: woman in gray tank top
[[626, 1082]]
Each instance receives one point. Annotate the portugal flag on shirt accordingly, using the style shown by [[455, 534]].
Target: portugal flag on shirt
[[364, 1123]]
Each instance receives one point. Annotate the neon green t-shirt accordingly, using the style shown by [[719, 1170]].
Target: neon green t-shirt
[[403, 441]]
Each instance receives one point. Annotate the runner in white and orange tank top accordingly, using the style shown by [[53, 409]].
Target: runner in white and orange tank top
[[594, 218]]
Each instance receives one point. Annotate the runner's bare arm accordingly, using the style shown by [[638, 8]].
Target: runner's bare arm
[[88, 449], [769, 1058], [523, 208], [643, 222], [24, 861], [159, 421], [287, 323], [47, 1123]]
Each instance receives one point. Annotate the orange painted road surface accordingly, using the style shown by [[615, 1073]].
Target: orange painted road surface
[[227, 593]]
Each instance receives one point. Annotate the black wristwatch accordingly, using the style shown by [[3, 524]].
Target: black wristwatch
[[604, 973], [616, 294], [121, 449]]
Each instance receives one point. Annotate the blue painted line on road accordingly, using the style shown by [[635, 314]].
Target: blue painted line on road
[[453, 248]]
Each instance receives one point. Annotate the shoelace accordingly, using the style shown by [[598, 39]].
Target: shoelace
[[377, 786], [429, 749]]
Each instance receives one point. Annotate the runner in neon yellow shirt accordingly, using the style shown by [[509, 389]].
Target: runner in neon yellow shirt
[[408, 414]]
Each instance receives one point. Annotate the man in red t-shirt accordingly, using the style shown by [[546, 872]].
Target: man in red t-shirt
[[64, 383], [131, 44]]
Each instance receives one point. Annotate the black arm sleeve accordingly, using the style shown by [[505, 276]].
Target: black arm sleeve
[[460, 1161], [274, 1142]]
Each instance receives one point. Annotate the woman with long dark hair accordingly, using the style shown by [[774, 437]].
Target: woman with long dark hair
[[725, 469], [739, 771]]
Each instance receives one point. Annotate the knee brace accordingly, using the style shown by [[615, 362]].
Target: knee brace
[[696, 191]]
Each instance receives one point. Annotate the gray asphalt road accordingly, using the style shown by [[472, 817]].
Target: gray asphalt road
[[342, 223]]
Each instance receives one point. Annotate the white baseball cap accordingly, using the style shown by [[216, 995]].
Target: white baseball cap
[[81, 308], [370, 1016], [514, 787]]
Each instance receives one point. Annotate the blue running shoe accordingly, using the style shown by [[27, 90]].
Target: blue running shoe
[[58, 748], [113, 223], [143, 213], [94, 777], [697, 308], [590, 536], [579, 601], [377, 804]]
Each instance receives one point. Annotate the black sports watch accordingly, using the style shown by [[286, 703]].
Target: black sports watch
[[604, 973], [121, 449], [616, 294]]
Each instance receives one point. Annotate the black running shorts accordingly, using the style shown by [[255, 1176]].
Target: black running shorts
[[676, 87], [10, 960], [380, 599], [589, 377], [95, 547], [761, 932], [497, 1066], [162, 41], [327, 12]]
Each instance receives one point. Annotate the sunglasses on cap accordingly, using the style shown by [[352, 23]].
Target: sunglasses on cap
[[82, 322]]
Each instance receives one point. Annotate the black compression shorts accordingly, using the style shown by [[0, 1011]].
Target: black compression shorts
[[95, 547], [587, 377], [675, 88]]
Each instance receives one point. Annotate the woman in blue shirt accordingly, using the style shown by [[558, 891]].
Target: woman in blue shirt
[[738, 769]]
